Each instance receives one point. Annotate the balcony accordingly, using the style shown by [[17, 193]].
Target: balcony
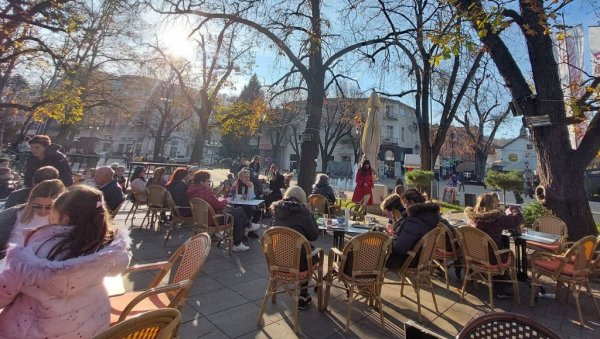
[[389, 140]]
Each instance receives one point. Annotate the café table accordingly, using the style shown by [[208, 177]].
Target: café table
[[341, 229], [242, 202], [520, 241]]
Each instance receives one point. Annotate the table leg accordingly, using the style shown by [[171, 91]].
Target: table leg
[[338, 239]]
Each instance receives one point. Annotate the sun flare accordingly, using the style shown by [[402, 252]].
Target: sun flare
[[174, 39]]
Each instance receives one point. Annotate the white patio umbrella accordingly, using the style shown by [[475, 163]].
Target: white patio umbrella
[[371, 135]]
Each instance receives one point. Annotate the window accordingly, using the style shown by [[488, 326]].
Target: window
[[174, 142], [347, 158], [529, 146], [390, 132], [388, 110], [402, 134]]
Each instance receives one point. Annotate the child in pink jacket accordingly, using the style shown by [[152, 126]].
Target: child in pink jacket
[[52, 286]]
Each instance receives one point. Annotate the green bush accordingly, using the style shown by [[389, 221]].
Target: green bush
[[505, 181], [419, 178], [532, 211]]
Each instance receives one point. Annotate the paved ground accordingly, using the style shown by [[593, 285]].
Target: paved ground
[[225, 300]]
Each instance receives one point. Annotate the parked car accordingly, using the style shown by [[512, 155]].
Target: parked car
[[592, 180]]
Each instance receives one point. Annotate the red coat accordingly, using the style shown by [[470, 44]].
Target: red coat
[[207, 194], [364, 185]]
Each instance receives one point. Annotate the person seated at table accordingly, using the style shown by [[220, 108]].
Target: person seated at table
[[323, 188], [19, 197], [487, 216], [88, 177], [275, 186], [52, 286], [113, 195], [241, 225], [392, 203], [244, 186], [178, 189], [15, 220], [120, 177], [191, 170], [293, 212], [138, 185], [157, 177], [421, 217]]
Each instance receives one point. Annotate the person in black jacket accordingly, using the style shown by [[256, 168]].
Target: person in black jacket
[[323, 188], [421, 218], [293, 212], [178, 189], [44, 153], [19, 197], [393, 203]]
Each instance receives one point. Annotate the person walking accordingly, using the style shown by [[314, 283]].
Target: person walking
[[364, 183], [45, 153]]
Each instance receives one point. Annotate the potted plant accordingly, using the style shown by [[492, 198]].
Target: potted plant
[[419, 178], [505, 181]]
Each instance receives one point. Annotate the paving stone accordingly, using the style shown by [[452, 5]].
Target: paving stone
[[234, 276], [200, 328], [241, 320], [216, 301], [252, 290]]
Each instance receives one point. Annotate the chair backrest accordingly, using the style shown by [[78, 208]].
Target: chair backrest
[[203, 212], [447, 237], [156, 196], [424, 249], [113, 213], [319, 202], [171, 203], [475, 245], [157, 324], [581, 254], [505, 325], [191, 256], [369, 253], [282, 247], [550, 224], [396, 215]]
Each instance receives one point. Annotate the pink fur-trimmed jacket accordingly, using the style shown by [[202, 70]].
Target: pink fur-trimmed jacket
[[57, 299]]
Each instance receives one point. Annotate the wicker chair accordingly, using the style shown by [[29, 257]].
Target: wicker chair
[[207, 220], [595, 263], [358, 211], [283, 247], [138, 201], [475, 245], [369, 253], [444, 257], [571, 269], [319, 203], [190, 256], [176, 218], [505, 325], [552, 225], [420, 258], [157, 204], [157, 324]]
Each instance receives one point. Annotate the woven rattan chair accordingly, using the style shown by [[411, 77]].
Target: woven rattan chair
[[176, 218], [369, 251], [358, 211], [505, 325], [595, 263], [447, 252], [571, 269], [157, 324], [416, 269], [475, 245], [207, 220], [190, 258], [319, 203], [552, 225], [283, 247], [135, 205], [157, 204]]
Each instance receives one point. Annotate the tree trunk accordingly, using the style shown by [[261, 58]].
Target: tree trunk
[[310, 149], [480, 160], [203, 116]]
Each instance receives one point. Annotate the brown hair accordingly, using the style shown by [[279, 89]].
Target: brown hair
[[201, 176], [41, 139], [157, 176], [413, 196], [44, 173], [399, 189], [486, 202], [89, 218], [45, 189]]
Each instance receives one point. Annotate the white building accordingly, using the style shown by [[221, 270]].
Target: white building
[[518, 154]]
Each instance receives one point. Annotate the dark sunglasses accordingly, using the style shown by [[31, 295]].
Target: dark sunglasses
[[40, 207]]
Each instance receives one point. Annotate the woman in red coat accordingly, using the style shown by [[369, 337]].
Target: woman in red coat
[[364, 183]]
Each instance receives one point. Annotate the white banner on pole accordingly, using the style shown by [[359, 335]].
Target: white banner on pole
[[594, 32]]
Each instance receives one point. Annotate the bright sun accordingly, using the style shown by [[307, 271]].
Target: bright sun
[[174, 38]]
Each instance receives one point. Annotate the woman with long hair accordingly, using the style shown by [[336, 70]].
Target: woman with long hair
[[138, 184], [323, 188], [364, 183], [36, 212], [52, 286], [157, 177], [178, 189]]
